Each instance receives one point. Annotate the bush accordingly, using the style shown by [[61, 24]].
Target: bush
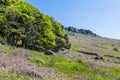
[[116, 49], [68, 46], [79, 61]]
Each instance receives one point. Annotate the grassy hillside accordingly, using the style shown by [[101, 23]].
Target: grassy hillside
[[22, 25], [78, 63]]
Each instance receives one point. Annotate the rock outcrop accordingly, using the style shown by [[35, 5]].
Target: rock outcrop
[[82, 31]]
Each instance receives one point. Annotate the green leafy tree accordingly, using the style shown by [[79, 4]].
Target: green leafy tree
[[25, 26]]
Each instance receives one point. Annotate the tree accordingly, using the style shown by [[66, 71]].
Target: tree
[[23, 25]]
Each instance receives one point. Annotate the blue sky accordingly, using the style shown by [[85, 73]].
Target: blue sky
[[99, 16]]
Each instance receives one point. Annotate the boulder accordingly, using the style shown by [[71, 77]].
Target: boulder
[[50, 52], [98, 57]]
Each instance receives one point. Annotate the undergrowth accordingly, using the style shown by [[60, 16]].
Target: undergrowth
[[114, 71], [102, 45], [7, 48], [10, 76], [69, 67]]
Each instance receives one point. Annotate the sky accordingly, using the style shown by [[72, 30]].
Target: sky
[[100, 16]]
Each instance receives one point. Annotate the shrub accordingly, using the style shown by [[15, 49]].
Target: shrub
[[116, 49]]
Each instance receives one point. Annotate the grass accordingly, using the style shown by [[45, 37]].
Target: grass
[[114, 71], [6, 48], [75, 46], [114, 53], [10, 76], [69, 67], [106, 46]]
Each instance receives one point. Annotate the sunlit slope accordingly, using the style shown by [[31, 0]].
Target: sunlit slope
[[78, 63]]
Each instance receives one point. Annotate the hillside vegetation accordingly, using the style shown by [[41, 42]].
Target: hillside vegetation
[[78, 63], [22, 25], [25, 33]]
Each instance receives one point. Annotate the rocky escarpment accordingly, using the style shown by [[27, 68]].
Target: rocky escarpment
[[82, 31]]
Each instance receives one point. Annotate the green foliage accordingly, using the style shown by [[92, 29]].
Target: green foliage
[[107, 46], [79, 61], [70, 67], [23, 25], [68, 45], [6, 2], [114, 71], [116, 49], [44, 60], [10, 76], [6, 48], [75, 46]]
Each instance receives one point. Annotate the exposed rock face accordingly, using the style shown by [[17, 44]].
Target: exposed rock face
[[82, 31]]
